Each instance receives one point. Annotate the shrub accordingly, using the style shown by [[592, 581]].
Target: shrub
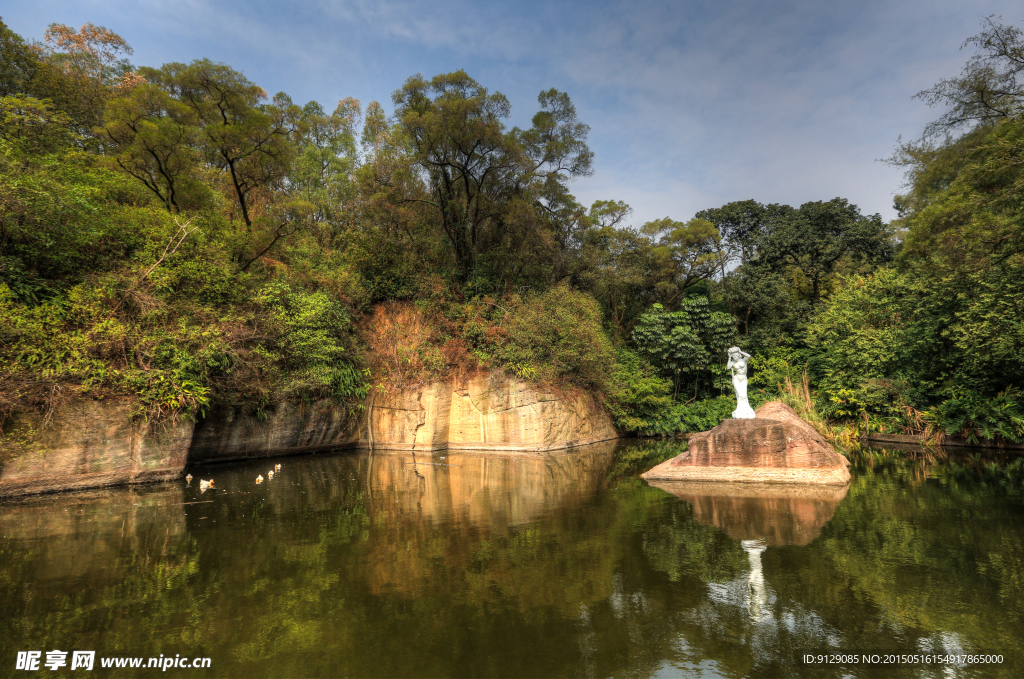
[[639, 401], [974, 417], [557, 335], [687, 346], [309, 341], [876, 347]]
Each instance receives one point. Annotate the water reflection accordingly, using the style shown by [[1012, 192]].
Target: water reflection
[[757, 592], [778, 514], [503, 489], [758, 516], [475, 565]]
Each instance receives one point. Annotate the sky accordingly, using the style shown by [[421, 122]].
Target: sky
[[691, 105]]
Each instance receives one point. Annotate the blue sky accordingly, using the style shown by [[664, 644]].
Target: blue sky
[[691, 104]]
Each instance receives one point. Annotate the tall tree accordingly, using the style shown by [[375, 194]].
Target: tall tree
[[156, 139], [481, 182], [813, 239], [990, 86], [93, 61], [325, 161], [248, 139], [688, 346], [18, 63], [684, 255]]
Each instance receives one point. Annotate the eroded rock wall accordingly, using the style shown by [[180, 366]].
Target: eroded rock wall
[[88, 444], [775, 447], [231, 433], [484, 412]]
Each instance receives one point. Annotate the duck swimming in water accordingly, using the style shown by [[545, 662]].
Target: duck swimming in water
[[203, 485], [259, 479]]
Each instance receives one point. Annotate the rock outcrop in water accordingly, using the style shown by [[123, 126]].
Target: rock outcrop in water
[[90, 444], [776, 447]]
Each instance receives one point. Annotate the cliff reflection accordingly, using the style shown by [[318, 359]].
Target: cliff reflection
[[477, 565], [484, 489], [449, 518], [777, 514]]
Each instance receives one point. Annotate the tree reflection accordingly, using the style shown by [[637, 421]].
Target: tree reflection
[[512, 565]]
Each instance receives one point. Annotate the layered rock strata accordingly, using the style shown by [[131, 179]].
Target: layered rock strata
[[776, 447], [484, 412], [88, 444], [228, 433]]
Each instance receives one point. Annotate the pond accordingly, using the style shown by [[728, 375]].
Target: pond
[[566, 565]]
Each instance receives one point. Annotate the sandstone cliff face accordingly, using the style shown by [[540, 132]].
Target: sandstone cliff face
[[484, 412], [228, 433], [89, 444]]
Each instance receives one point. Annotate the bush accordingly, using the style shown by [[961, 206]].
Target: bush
[[639, 401], [309, 343], [557, 336], [974, 417], [708, 413], [876, 347], [688, 346]]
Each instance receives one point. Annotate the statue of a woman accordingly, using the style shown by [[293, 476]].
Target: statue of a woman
[[737, 365]]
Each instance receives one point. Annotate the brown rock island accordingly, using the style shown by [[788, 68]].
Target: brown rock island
[[775, 447]]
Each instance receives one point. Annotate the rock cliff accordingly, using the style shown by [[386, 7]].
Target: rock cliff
[[228, 433], [89, 444], [484, 412]]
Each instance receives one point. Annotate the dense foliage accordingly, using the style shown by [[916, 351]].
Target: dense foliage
[[177, 236]]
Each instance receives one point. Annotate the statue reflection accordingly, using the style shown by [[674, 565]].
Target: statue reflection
[[760, 516], [757, 593]]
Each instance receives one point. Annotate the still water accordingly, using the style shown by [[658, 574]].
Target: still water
[[453, 565]]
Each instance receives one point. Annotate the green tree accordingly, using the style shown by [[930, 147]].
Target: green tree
[[83, 69], [480, 182], [687, 346], [18, 63], [326, 159], [741, 225], [157, 140], [990, 86], [878, 344], [242, 136], [617, 264], [812, 241], [684, 255]]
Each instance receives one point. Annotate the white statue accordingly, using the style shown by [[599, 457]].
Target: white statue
[[737, 365]]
